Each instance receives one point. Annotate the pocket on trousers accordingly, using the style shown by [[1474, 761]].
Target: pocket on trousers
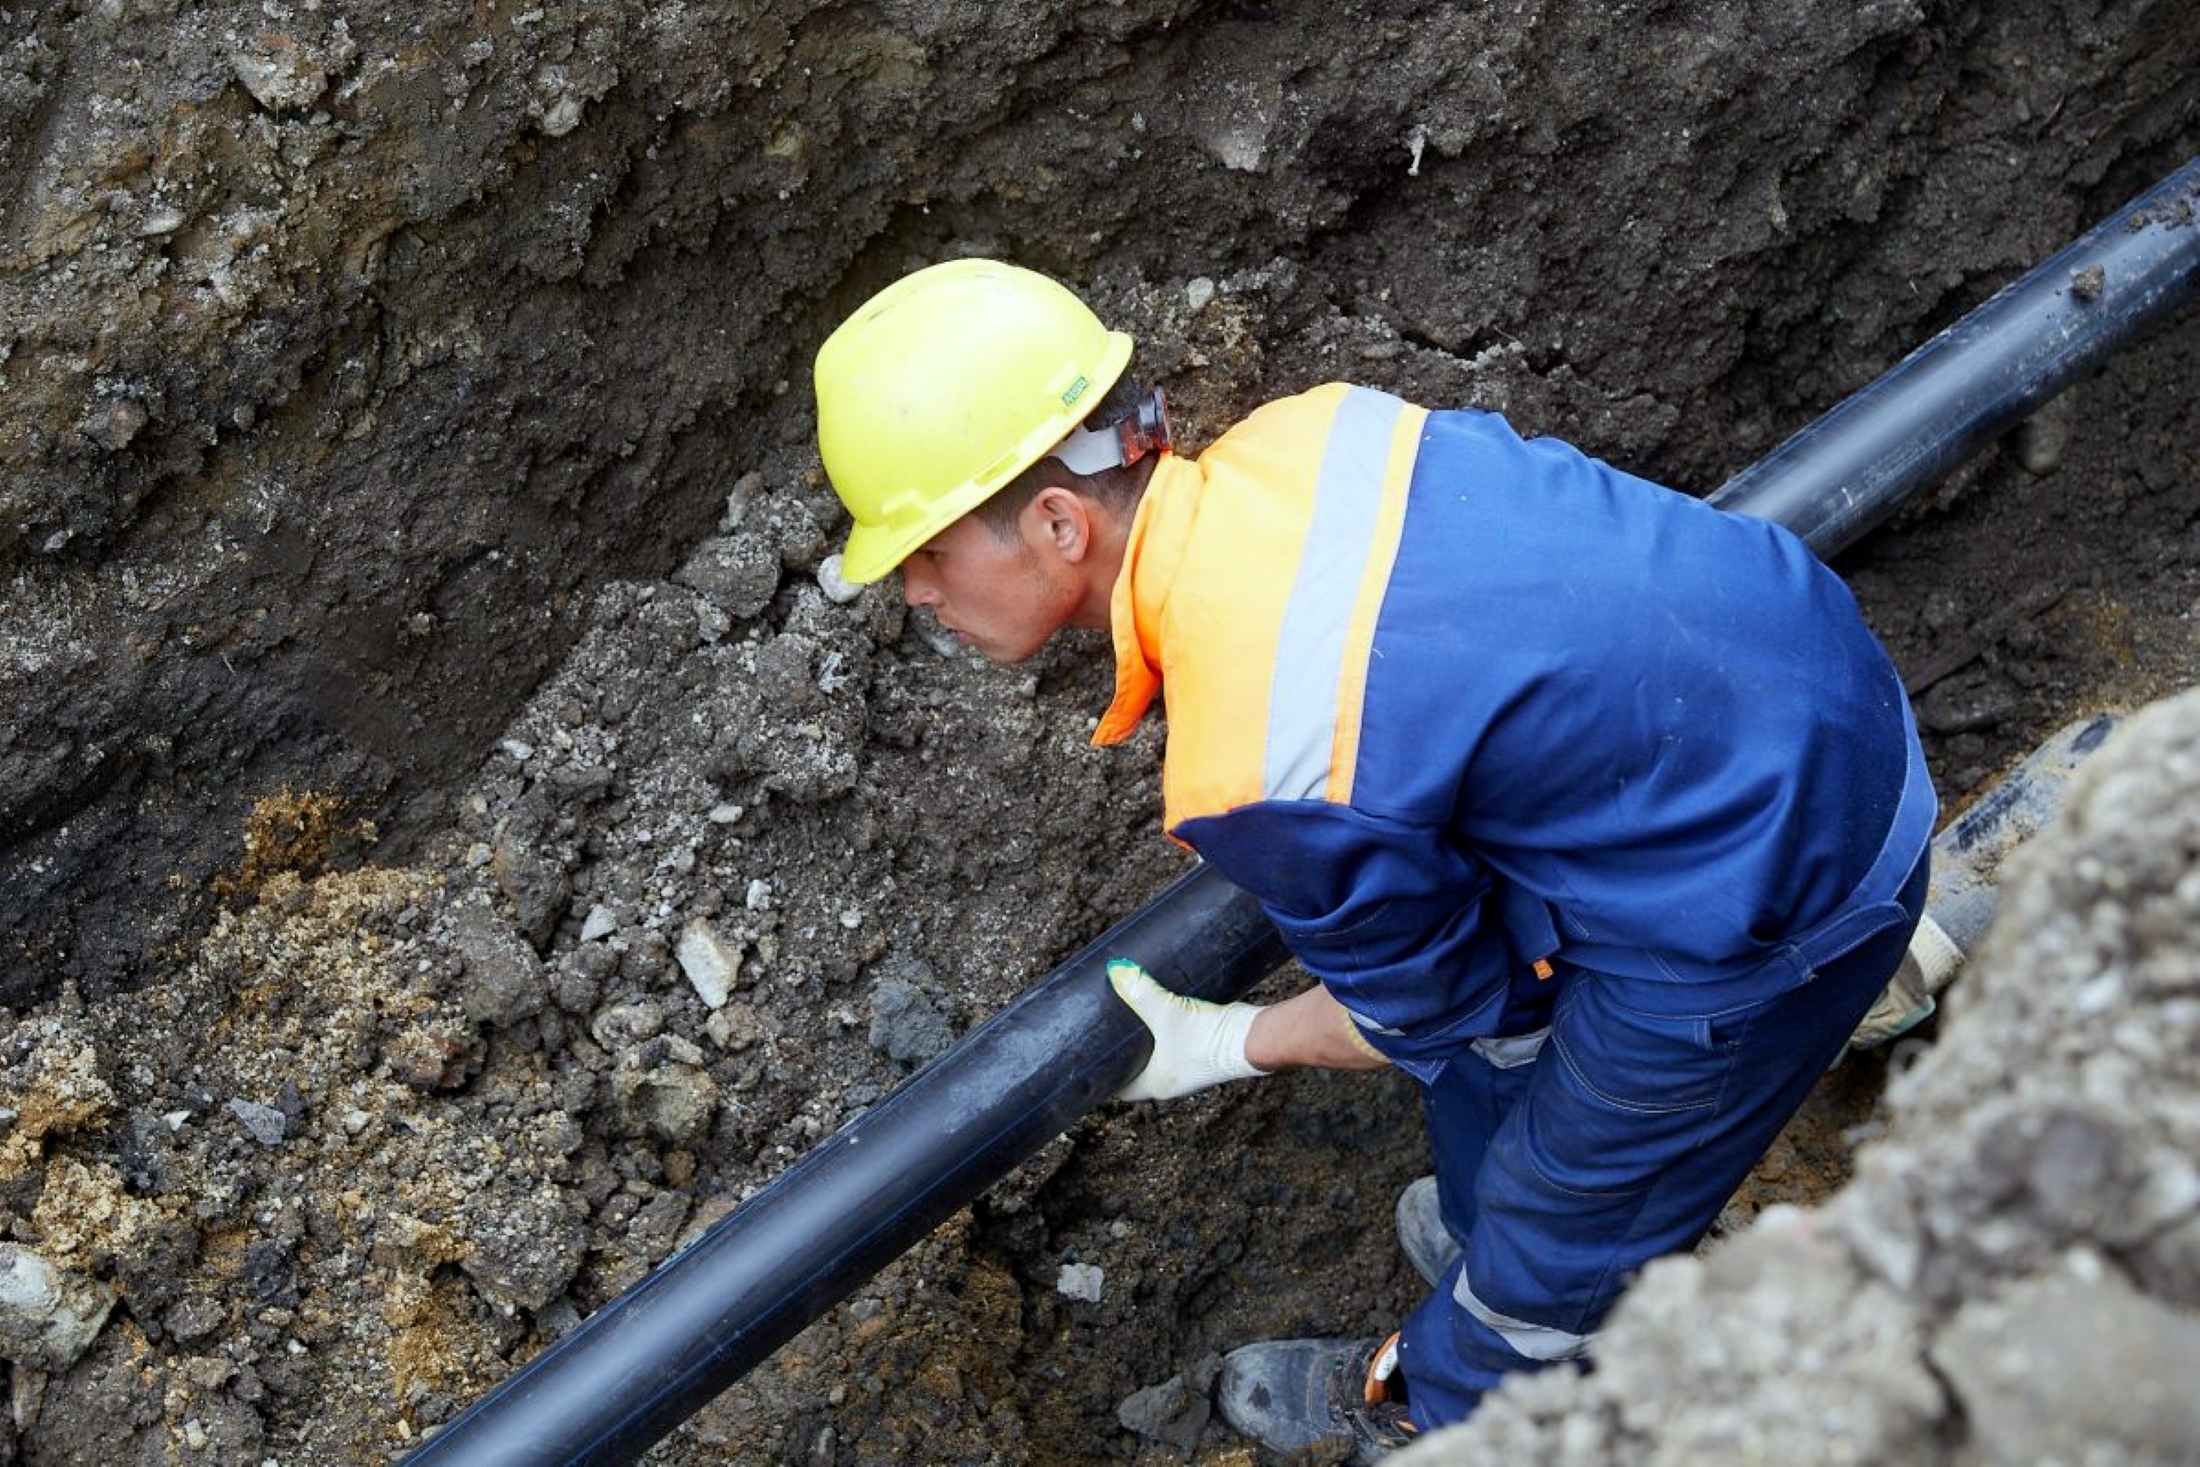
[[1648, 1064], [1623, 1093]]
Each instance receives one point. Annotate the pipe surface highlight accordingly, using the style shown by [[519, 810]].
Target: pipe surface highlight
[[1848, 470], [660, 1351]]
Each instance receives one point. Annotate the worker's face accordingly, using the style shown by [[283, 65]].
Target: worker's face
[[1004, 595]]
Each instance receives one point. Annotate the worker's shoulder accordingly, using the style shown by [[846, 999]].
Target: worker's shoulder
[[1316, 410], [1320, 401], [1313, 404], [1298, 429]]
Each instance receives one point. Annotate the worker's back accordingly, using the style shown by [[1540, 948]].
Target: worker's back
[[1400, 648]]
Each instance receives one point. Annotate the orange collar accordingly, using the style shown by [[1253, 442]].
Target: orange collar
[[1152, 552]]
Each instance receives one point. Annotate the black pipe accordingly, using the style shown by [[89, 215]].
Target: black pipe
[[654, 1355], [660, 1351], [1847, 471]]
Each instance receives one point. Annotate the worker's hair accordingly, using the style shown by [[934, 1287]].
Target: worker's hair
[[1118, 489]]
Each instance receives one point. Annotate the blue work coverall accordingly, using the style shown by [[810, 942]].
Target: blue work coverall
[[1599, 810]]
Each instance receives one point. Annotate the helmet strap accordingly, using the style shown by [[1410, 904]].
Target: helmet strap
[[1145, 430]]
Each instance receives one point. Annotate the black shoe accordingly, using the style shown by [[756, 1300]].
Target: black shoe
[[1290, 1395], [1428, 1244]]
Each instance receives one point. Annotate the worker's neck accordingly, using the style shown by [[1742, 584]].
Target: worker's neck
[[1102, 563]]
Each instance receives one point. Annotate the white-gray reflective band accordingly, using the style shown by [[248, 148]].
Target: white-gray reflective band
[[1370, 1025], [1087, 452], [1511, 1051], [1348, 505], [1532, 1341]]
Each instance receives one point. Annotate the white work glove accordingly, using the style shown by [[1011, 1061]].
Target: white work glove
[[1928, 967], [1195, 1043]]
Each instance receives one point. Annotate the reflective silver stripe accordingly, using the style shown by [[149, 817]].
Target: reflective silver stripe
[[1370, 1025], [1533, 1341], [1511, 1051], [1348, 503]]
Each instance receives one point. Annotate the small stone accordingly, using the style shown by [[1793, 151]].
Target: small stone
[[837, 588], [2044, 438], [724, 814], [1173, 1413], [734, 1028], [746, 491], [523, 1245], [711, 965], [48, 1316], [600, 922], [113, 424], [1081, 1281], [267, 1125], [279, 73], [627, 1023], [504, 980], [1967, 702], [739, 574], [563, 115], [194, 1318], [661, 1087], [759, 895], [906, 1026], [1198, 292], [529, 871]]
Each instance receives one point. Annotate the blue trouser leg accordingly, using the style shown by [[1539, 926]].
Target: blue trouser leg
[[1474, 1094], [1619, 1143]]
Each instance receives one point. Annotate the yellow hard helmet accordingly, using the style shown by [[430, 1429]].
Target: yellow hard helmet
[[945, 386]]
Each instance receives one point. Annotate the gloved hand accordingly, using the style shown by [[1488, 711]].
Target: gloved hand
[[1907, 1001], [1195, 1043]]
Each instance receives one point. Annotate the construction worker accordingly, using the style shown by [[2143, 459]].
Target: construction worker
[[1596, 810]]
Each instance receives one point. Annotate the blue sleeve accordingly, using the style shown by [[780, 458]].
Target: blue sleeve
[[1394, 918]]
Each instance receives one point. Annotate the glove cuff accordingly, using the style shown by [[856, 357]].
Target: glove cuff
[[1226, 1056], [1936, 954]]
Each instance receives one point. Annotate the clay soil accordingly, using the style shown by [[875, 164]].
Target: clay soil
[[417, 666]]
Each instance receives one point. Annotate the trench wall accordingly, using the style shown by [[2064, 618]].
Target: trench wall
[[345, 350]]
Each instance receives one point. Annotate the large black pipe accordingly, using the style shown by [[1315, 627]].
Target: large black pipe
[[657, 1353], [1847, 471]]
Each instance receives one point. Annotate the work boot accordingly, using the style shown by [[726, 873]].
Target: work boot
[[1290, 1395], [1428, 1244]]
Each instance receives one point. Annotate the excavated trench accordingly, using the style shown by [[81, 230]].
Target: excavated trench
[[415, 671]]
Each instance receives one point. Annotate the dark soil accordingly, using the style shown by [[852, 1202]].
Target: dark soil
[[410, 534]]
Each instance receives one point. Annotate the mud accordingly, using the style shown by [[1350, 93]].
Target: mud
[[453, 843]]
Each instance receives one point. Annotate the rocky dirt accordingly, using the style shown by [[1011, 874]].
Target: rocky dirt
[[454, 844]]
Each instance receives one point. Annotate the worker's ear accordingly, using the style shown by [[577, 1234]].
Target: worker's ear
[[1062, 520]]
